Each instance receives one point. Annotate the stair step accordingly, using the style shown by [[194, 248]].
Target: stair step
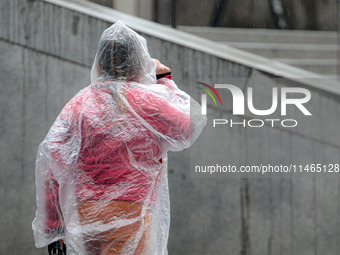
[[293, 52], [263, 35], [283, 46], [306, 61], [315, 51], [323, 66]]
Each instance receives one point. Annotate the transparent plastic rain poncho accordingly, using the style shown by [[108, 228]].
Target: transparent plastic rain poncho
[[101, 171]]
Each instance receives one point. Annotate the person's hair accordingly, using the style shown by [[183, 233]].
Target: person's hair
[[120, 57]]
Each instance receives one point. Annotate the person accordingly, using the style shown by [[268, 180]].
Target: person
[[101, 171]]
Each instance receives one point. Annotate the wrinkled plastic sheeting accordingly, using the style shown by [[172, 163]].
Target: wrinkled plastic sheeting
[[101, 171]]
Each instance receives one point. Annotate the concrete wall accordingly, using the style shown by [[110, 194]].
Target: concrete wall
[[143, 9], [46, 52], [299, 14]]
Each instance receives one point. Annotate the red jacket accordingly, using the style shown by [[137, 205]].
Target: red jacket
[[120, 159]]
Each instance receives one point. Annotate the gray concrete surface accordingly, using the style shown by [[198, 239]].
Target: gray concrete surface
[[262, 35], [46, 51], [315, 51], [302, 14]]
